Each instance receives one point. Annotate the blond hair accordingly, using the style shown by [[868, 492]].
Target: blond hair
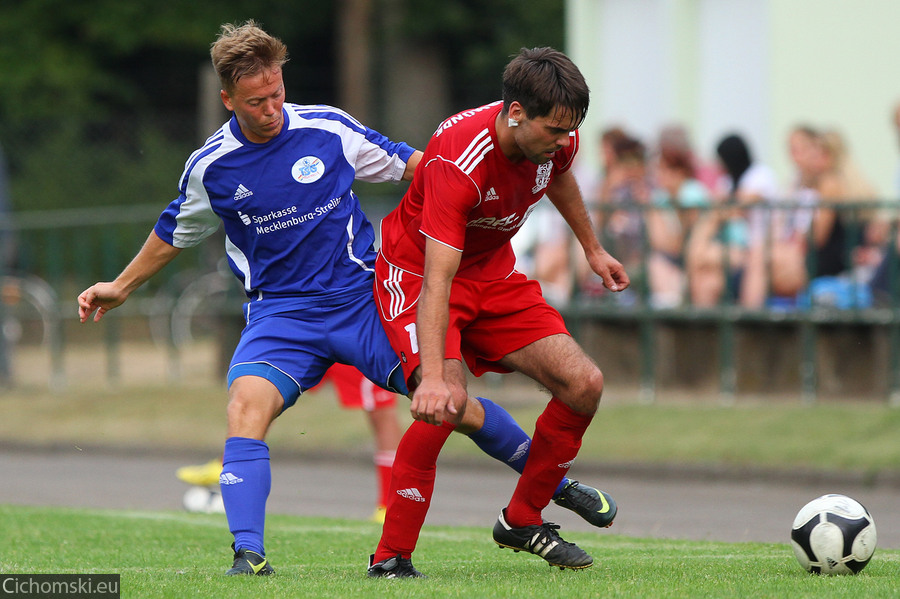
[[854, 185], [245, 49]]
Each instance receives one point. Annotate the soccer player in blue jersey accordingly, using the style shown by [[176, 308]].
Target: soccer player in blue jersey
[[278, 178]]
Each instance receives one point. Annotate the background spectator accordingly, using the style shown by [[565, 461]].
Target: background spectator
[[542, 252], [676, 199], [677, 139], [619, 220], [881, 233], [718, 251], [842, 182], [779, 230]]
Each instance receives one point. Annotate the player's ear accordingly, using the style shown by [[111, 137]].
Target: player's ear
[[516, 112], [226, 100]]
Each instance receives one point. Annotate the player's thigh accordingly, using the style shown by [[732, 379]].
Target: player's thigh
[[558, 363]]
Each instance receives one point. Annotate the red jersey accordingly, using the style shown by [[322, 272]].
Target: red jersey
[[469, 196]]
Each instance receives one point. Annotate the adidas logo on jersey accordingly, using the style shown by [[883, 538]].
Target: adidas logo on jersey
[[227, 478], [491, 195], [411, 493], [241, 192]]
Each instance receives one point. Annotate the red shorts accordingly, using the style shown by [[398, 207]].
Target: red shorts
[[356, 391], [488, 319]]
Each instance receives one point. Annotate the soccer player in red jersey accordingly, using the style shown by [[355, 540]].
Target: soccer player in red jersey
[[448, 293]]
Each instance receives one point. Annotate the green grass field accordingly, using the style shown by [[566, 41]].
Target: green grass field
[[174, 554]]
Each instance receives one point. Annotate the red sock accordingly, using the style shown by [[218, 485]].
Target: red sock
[[557, 438], [384, 460], [412, 485]]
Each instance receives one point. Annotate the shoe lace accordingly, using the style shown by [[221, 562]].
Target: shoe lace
[[575, 489], [548, 535], [579, 495]]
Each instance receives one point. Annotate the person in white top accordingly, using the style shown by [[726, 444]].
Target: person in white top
[[720, 245]]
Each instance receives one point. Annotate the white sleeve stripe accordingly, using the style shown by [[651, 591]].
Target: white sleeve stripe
[[475, 141], [305, 110], [476, 160], [475, 152]]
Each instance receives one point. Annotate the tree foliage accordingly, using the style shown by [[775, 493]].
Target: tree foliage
[[478, 38], [99, 96]]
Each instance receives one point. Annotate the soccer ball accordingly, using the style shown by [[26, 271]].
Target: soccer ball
[[833, 534], [203, 500]]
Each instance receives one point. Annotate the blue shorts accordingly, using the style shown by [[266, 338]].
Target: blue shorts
[[293, 341]]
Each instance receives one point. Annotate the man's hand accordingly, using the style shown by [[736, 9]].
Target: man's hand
[[100, 297], [432, 402], [610, 270]]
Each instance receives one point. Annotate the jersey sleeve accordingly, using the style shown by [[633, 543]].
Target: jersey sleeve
[[380, 159], [183, 224], [189, 218], [374, 157], [449, 197]]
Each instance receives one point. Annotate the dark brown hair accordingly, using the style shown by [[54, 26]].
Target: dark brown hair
[[678, 159], [543, 80]]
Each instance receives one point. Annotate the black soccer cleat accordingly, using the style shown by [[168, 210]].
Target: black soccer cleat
[[594, 505], [542, 541], [249, 563], [393, 567]]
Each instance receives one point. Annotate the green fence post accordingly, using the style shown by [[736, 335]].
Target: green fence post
[[727, 367], [894, 326], [113, 335], [808, 330], [647, 330]]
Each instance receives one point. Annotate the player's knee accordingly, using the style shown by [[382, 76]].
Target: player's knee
[[250, 416], [587, 391]]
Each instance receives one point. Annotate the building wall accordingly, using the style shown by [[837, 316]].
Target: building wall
[[752, 66]]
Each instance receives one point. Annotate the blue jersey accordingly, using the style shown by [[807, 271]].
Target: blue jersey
[[293, 226]]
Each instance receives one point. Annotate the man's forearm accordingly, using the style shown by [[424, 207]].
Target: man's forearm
[[152, 257]]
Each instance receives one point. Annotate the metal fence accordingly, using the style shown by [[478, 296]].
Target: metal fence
[[850, 295], [59, 253]]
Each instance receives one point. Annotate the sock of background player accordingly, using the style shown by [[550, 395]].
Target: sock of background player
[[384, 460]]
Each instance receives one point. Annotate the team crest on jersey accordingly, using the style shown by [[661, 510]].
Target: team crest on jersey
[[543, 177], [308, 169]]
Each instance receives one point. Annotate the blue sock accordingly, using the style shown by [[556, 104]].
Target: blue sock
[[503, 439], [245, 481]]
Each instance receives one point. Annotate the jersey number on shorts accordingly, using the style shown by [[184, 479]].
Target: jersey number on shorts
[[413, 339]]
